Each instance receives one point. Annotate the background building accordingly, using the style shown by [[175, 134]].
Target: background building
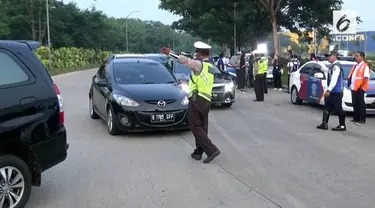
[[362, 41]]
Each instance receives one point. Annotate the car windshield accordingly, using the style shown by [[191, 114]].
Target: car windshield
[[348, 67], [182, 69], [142, 73], [161, 59], [165, 60], [130, 57]]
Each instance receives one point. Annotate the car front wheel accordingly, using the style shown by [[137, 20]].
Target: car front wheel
[[294, 97], [15, 182], [111, 122], [93, 114]]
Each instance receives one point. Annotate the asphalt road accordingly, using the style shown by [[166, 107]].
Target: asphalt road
[[272, 156]]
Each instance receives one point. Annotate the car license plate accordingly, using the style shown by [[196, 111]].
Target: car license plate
[[167, 117]]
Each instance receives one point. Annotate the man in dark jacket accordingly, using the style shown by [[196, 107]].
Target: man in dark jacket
[[277, 73]]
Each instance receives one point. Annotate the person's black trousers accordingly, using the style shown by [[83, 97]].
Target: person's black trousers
[[288, 82], [250, 78], [259, 87], [265, 88], [198, 121], [333, 103], [241, 78], [359, 106], [277, 79]]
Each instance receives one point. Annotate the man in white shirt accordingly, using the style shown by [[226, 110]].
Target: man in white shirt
[[292, 66], [358, 83], [333, 94]]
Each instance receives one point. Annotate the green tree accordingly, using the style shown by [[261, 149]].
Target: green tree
[[216, 20]]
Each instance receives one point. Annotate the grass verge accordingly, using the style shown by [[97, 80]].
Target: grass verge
[[53, 72]]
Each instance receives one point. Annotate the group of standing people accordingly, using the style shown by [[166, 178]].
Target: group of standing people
[[358, 81]]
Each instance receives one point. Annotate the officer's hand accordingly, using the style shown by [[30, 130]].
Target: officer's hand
[[165, 50], [327, 93]]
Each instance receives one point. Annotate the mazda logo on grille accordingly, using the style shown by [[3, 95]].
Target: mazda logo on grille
[[161, 103]]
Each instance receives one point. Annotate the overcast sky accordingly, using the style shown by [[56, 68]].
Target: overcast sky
[[148, 10]]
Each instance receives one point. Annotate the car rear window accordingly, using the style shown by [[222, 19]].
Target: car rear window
[[11, 72], [142, 73]]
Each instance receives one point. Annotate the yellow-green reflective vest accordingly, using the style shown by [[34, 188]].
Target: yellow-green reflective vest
[[263, 65], [202, 83]]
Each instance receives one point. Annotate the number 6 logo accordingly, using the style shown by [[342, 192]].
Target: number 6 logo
[[341, 21], [344, 22]]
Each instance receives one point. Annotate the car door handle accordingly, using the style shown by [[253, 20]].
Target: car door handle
[[28, 105], [27, 100]]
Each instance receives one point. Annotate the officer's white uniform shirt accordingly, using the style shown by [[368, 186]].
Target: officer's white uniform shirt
[[334, 76], [366, 74]]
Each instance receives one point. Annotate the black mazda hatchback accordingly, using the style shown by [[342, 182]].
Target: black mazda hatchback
[[137, 95]]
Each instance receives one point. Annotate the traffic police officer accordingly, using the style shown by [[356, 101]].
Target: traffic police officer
[[264, 67], [334, 93], [260, 68], [200, 91]]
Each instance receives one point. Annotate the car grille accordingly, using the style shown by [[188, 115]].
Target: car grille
[[370, 95], [221, 88], [144, 117], [154, 102]]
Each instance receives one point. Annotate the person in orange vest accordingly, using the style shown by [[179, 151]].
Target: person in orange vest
[[358, 84]]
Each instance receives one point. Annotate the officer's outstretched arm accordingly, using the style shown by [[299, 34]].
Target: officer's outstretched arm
[[195, 65]]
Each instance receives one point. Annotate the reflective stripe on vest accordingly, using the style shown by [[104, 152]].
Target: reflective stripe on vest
[[263, 65], [202, 83], [359, 76]]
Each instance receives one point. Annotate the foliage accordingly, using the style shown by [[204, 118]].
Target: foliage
[[214, 19], [90, 28], [70, 58]]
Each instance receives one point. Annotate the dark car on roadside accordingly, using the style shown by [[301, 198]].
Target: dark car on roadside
[[32, 132], [137, 95]]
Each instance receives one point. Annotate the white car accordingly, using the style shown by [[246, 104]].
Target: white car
[[309, 83]]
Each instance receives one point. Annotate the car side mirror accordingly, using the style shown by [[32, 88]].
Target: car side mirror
[[319, 75], [102, 83]]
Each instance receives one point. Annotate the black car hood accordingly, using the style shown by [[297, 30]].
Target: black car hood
[[219, 78], [151, 91]]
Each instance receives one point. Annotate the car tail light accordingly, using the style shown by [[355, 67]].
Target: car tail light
[[61, 104]]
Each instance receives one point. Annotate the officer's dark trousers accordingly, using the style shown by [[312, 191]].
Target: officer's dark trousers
[[250, 79], [259, 87], [333, 103], [359, 106], [241, 78], [288, 82], [265, 87], [277, 79], [198, 121]]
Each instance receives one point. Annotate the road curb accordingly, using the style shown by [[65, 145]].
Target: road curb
[[72, 73]]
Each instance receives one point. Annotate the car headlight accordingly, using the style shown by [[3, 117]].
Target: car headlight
[[125, 101], [229, 87], [185, 101], [184, 87]]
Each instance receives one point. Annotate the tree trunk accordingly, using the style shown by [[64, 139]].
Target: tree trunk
[[32, 19], [274, 35]]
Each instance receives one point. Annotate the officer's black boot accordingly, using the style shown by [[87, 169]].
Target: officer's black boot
[[341, 126], [324, 124]]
